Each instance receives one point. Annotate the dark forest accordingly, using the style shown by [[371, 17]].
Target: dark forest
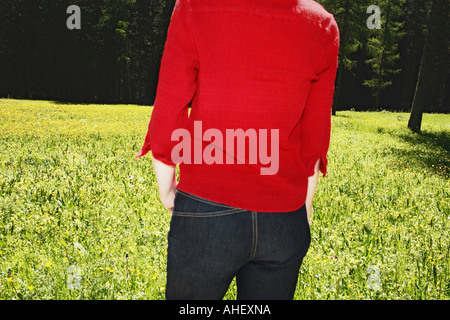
[[114, 56]]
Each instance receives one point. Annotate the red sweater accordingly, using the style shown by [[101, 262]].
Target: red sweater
[[251, 65]]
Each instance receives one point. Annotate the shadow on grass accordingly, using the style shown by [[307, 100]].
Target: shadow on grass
[[97, 102], [429, 150], [80, 102], [339, 115]]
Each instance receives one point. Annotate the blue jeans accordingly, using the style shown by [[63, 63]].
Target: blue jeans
[[211, 243]]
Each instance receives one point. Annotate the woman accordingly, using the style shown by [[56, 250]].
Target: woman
[[259, 77]]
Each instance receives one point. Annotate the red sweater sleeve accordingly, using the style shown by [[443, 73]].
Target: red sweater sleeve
[[176, 87], [316, 117]]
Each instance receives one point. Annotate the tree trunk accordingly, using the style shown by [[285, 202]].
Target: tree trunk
[[439, 13], [414, 43], [129, 91], [337, 91]]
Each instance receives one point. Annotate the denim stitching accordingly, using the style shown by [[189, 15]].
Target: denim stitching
[[207, 213], [204, 215], [228, 211], [206, 201], [254, 235]]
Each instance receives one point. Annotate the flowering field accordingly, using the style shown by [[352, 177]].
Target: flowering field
[[80, 217]]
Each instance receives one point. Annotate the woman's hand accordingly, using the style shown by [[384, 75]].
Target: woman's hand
[[308, 210], [312, 184], [167, 184], [168, 199]]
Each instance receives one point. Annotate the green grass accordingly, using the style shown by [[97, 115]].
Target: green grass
[[71, 193]]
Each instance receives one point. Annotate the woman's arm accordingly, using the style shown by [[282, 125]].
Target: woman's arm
[[167, 183], [312, 183]]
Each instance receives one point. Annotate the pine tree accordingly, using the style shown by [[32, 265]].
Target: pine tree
[[411, 47], [436, 39], [351, 19], [382, 47]]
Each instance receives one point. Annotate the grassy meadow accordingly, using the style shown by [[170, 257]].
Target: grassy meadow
[[80, 217]]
